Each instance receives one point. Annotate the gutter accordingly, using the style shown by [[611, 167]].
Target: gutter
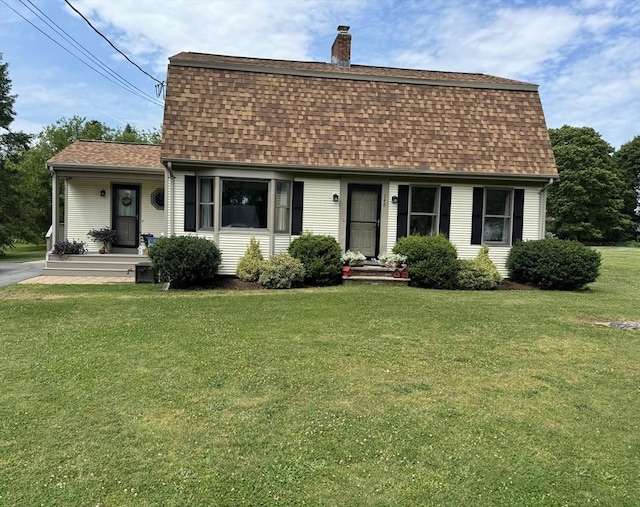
[[342, 171]]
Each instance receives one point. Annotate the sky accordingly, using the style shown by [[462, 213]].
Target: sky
[[583, 54]]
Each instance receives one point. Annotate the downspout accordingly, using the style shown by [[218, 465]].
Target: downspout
[[171, 201], [542, 224]]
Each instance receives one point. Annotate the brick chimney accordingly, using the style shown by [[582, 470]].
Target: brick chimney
[[341, 49]]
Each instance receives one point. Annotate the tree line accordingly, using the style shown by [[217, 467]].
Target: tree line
[[597, 199]]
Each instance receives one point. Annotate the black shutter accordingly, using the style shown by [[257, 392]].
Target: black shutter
[[476, 216], [518, 215], [190, 201], [296, 207], [445, 211], [403, 210]]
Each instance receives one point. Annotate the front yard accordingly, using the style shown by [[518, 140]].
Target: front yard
[[359, 395]]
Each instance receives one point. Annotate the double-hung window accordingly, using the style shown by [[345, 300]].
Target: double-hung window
[[423, 211], [206, 203], [497, 216], [282, 206]]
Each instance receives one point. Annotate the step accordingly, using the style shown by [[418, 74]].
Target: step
[[375, 280], [99, 258], [97, 271], [376, 271], [77, 264]]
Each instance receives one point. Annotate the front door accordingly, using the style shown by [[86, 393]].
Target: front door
[[126, 215], [363, 219]]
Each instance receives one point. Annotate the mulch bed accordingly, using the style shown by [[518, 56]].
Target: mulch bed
[[233, 283]]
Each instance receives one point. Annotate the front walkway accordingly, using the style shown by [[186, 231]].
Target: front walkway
[[78, 280]]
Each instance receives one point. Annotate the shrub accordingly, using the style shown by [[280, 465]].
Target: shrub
[[185, 260], [282, 271], [553, 264], [432, 260], [321, 256], [65, 247], [250, 265], [479, 273]]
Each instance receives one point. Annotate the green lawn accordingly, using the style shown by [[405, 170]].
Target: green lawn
[[24, 252], [359, 395]]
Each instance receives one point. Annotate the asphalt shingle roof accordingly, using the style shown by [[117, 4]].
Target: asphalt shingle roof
[[305, 114], [109, 154]]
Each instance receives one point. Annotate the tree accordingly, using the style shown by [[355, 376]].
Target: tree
[[36, 180], [12, 145], [627, 165], [586, 205]]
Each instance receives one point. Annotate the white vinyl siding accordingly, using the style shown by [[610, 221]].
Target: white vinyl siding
[[320, 214]]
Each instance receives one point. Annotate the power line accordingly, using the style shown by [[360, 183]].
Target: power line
[[60, 31], [160, 83], [142, 96]]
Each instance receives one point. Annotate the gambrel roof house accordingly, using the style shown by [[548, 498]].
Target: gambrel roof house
[[272, 148]]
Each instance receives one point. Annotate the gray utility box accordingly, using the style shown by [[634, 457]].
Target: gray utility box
[[145, 273]]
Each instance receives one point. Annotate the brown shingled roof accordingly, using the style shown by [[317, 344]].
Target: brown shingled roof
[[217, 110], [108, 154]]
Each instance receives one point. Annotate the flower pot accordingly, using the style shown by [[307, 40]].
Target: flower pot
[[102, 250]]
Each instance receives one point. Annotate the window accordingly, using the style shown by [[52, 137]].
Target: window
[[282, 206], [245, 203], [497, 216], [206, 203], [157, 198], [423, 215]]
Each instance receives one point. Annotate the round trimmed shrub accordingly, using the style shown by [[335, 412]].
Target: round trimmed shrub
[[282, 271], [553, 264], [432, 260], [185, 261], [250, 265], [321, 256]]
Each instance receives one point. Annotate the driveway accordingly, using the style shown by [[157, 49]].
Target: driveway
[[13, 272]]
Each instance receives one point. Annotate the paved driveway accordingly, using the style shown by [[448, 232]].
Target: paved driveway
[[13, 272]]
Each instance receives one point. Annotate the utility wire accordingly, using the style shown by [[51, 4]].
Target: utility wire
[[145, 97], [60, 31], [160, 83]]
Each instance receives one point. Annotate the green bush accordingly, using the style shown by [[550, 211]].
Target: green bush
[[185, 261], [282, 271], [479, 273], [432, 260], [321, 256], [553, 264], [250, 265]]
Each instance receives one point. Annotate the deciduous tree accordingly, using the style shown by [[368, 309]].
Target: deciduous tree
[[587, 204]]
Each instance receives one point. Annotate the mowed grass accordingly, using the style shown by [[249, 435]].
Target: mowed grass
[[24, 252], [363, 395]]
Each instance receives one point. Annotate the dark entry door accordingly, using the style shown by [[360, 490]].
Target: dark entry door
[[363, 219], [125, 213]]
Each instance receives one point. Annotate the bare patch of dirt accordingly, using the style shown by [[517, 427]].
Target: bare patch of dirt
[[233, 283]]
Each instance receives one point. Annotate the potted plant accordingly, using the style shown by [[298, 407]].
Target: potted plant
[[106, 236], [351, 258], [392, 260]]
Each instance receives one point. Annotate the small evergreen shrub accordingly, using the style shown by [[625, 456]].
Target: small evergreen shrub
[[185, 261], [321, 256], [65, 247], [479, 273], [250, 265], [432, 260], [553, 264], [282, 271]]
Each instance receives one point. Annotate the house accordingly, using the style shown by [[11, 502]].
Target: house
[[271, 148]]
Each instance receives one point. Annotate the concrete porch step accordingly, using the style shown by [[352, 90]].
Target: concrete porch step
[[375, 280], [84, 271]]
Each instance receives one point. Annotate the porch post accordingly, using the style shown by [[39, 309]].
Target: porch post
[[55, 205]]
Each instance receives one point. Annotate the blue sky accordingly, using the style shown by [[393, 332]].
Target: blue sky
[[584, 54]]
